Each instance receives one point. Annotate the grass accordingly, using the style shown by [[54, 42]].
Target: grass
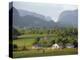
[[23, 42], [49, 52], [27, 41], [34, 35]]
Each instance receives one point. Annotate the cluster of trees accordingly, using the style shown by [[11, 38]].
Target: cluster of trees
[[37, 31], [60, 36], [15, 33]]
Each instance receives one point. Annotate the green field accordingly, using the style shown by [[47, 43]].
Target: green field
[[22, 42], [27, 38], [49, 52]]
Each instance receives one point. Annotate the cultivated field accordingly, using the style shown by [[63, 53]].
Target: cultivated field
[[48, 52], [24, 43]]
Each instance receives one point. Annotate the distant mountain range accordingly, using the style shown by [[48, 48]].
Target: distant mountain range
[[30, 19], [22, 18], [68, 18]]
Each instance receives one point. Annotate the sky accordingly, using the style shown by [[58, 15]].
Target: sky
[[46, 9]]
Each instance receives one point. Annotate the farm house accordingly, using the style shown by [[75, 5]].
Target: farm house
[[69, 45], [36, 46], [55, 46]]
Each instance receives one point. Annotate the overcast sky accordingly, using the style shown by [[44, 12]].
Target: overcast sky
[[46, 9]]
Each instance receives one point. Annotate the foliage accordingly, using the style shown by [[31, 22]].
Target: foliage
[[36, 36]]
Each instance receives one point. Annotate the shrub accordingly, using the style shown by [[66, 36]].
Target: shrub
[[15, 46]]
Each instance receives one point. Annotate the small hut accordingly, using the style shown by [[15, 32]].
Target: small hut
[[55, 46], [68, 45], [36, 46], [46, 38]]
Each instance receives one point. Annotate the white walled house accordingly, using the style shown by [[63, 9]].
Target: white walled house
[[55, 46], [69, 45], [36, 46]]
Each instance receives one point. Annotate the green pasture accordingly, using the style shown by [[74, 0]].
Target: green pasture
[[24, 43], [28, 40], [49, 52]]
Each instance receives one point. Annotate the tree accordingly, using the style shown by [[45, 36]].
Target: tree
[[15, 33], [38, 38], [36, 41], [75, 43], [52, 42]]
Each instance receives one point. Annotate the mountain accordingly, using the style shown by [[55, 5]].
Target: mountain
[[24, 13], [68, 18], [30, 19]]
